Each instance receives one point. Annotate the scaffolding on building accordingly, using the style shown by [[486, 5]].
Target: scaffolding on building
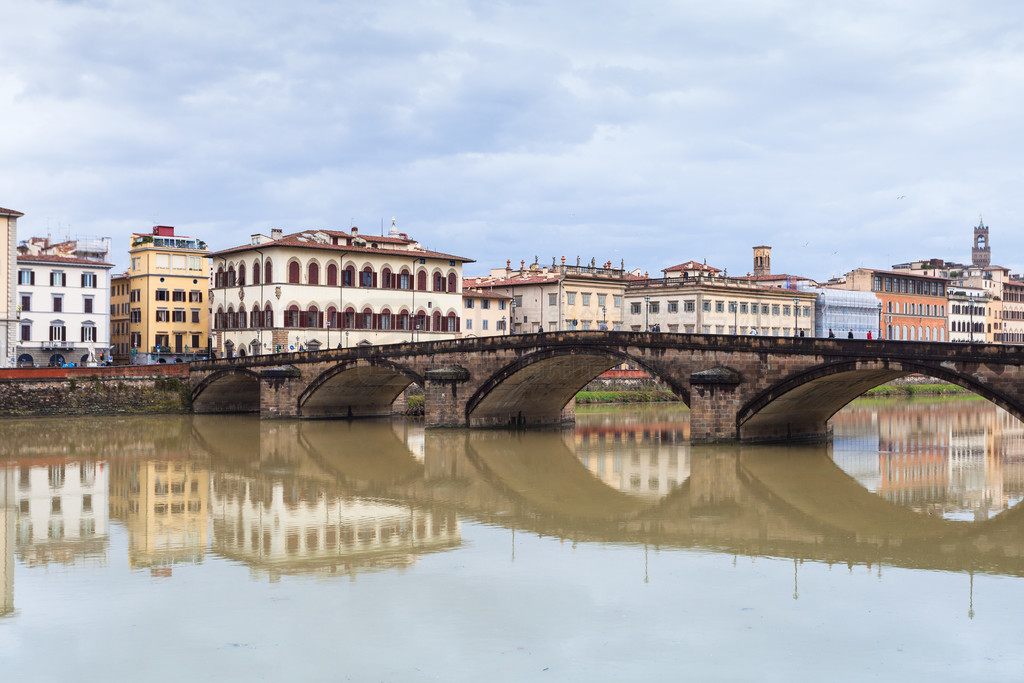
[[844, 311]]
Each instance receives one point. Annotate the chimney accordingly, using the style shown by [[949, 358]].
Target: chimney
[[276, 233], [163, 230], [355, 230]]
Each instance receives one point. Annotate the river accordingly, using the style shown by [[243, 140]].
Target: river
[[225, 548]]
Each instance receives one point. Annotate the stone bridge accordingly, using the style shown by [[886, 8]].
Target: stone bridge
[[746, 388]]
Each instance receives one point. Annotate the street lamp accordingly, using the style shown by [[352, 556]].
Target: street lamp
[[647, 312], [604, 318]]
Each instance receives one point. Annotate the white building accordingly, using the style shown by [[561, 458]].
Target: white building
[[8, 285], [967, 313], [328, 288], [64, 306]]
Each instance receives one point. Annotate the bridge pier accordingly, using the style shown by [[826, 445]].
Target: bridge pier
[[715, 400], [280, 388]]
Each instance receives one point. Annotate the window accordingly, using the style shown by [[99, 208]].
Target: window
[[26, 331], [89, 280], [570, 299], [195, 262], [519, 300], [483, 323], [58, 303], [673, 306], [785, 310], [720, 307], [163, 261], [195, 296], [469, 324], [163, 315], [366, 279], [586, 298], [602, 300], [552, 299], [654, 306], [58, 278], [765, 309], [501, 305], [706, 306], [293, 272], [467, 303], [163, 295], [136, 315], [634, 308], [618, 301], [88, 332], [178, 295], [178, 315], [26, 277], [689, 306], [807, 311], [87, 304], [732, 306], [775, 309], [485, 304], [136, 262], [26, 303], [57, 331]]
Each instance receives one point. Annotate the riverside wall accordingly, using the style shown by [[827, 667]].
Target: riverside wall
[[115, 390]]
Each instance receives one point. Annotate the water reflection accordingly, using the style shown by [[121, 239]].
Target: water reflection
[[338, 498], [961, 460]]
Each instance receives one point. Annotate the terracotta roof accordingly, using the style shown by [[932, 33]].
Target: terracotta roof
[[481, 293], [69, 260], [10, 212], [293, 240], [691, 265]]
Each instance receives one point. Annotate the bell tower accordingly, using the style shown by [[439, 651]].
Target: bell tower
[[981, 254], [763, 261]]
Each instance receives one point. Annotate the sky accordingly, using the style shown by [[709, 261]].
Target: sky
[[842, 134]]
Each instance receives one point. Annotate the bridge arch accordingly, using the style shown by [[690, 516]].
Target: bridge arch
[[800, 406], [536, 387], [232, 390], [358, 388]]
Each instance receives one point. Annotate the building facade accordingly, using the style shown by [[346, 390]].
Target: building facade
[[913, 306], [62, 302], [484, 312], [8, 286], [325, 288], [559, 298], [168, 285], [120, 305], [717, 305]]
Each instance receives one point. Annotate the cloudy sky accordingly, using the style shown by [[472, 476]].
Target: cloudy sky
[[843, 134]]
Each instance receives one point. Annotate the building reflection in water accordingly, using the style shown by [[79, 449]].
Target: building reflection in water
[[647, 459], [962, 460]]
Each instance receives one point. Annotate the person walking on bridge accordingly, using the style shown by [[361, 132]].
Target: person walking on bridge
[[850, 336]]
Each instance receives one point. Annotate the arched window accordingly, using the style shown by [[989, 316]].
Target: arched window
[[438, 282], [332, 274], [385, 319], [241, 275], [386, 279], [367, 278], [421, 280], [231, 318], [350, 276], [268, 272], [452, 323], [218, 280], [268, 314], [291, 316], [242, 317], [888, 331], [255, 314], [255, 272], [231, 276], [422, 322], [402, 320], [313, 317], [218, 320], [451, 283], [293, 273], [436, 323], [405, 279], [366, 323], [349, 319], [332, 317], [313, 273]]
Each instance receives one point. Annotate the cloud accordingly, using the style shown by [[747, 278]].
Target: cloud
[[647, 133]]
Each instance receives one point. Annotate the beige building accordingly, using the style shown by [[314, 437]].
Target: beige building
[[168, 283], [484, 312], [560, 297], [120, 339], [326, 288], [8, 282], [717, 305]]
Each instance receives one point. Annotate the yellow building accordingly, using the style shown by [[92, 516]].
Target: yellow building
[[169, 278], [120, 341]]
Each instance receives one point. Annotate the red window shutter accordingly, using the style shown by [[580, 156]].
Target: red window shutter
[[375, 280]]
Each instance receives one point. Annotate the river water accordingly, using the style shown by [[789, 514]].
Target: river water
[[225, 548]]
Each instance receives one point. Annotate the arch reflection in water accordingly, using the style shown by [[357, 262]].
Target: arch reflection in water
[[961, 460]]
